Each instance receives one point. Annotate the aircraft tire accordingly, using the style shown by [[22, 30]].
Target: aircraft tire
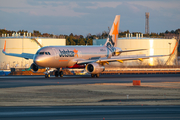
[[61, 73], [47, 75], [92, 75], [97, 75], [56, 74]]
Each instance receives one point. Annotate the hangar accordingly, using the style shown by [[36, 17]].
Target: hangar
[[153, 46], [24, 44]]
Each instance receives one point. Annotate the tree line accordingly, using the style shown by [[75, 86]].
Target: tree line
[[88, 40]]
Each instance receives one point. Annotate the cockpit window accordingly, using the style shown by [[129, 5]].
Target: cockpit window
[[42, 53]]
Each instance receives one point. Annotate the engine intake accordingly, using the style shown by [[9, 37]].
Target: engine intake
[[34, 67], [94, 68]]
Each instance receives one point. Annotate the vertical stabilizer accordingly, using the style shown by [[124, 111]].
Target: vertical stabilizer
[[113, 35], [4, 46]]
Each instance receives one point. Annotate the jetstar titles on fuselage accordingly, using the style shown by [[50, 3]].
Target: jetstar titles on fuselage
[[68, 53]]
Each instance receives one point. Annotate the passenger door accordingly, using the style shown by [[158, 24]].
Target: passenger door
[[55, 53]]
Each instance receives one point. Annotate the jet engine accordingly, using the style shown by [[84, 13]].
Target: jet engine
[[34, 67], [94, 68]]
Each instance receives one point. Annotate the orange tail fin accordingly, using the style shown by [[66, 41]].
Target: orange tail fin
[[4, 46]]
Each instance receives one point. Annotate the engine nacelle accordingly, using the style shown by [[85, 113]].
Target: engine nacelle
[[34, 67], [94, 68]]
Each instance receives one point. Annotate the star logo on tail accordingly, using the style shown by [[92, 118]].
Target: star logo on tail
[[115, 31]]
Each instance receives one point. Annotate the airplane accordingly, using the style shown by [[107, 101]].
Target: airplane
[[92, 58]]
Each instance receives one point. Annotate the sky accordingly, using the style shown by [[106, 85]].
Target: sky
[[82, 17]]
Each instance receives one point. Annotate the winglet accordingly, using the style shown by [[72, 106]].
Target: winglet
[[175, 47], [4, 46]]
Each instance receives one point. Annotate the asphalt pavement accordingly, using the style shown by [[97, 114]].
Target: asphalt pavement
[[88, 112], [91, 113], [23, 81]]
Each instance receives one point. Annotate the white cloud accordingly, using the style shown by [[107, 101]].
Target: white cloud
[[53, 8], [157, 5], [51, 15], [163, 8], [104, 4]]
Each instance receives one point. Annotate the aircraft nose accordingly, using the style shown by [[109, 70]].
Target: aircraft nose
[[38, 61]]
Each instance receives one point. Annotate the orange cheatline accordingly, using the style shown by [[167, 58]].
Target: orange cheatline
[[63, 60]]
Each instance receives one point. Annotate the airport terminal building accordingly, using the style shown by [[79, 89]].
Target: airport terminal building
[[153, 46], [24, 44]]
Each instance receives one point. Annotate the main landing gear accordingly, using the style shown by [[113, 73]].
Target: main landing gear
[[95, 75], [47, 75], [59, 73]]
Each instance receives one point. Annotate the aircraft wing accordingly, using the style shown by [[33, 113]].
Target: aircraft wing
[[80, 62], [131, 50], [121, 59], [22, 55], [118, 59], [125, 58]]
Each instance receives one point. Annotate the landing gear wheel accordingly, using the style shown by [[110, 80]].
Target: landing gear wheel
[[61, 73], [56, 74], [93, 75], [97, 75], [47, 75]]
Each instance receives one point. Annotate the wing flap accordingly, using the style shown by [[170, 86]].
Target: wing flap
[[121, 59], [117, 59], [131, 50]]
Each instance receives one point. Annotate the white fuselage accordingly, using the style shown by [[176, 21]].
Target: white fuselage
[[67, 56]]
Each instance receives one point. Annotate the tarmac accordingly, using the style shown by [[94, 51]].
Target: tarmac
[[110, 97], [24, 81], [91, 113]]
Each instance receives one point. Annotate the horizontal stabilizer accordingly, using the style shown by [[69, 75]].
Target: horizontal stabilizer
[[22, 55]]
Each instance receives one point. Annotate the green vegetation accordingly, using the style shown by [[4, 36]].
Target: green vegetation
[[88, 40]]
